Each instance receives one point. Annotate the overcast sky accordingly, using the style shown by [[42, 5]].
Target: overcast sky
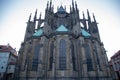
[[15, 13]]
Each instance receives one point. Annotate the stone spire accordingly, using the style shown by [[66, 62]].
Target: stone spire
[[76, 6], [50, 5], [73, 8], [35, 17], [89, 18], [94, 18], [84, 22], [39, 22], [29, 17], [47, 5]]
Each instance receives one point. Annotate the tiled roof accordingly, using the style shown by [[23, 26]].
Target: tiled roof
[[116, 54], [7, 48]]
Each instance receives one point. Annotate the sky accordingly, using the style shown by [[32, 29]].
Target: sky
[[14, 15]]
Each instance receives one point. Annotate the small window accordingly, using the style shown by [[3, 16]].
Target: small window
[[2, 67], [0, 48]]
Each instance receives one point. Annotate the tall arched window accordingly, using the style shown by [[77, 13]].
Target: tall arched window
[[73, 57], [35, 57], [97, 57], [88, 56], [62, 55], [51, 55]]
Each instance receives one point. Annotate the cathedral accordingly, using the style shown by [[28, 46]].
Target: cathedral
[[62, 46]]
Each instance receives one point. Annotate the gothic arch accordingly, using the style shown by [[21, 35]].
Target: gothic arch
[[51, 55], [88, 57], [73, 56], [62, 54]]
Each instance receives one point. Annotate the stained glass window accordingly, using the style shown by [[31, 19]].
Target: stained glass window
[[73, 57], [35, 58], [62, 55], [51, 55], [96, 52], [88, 56]]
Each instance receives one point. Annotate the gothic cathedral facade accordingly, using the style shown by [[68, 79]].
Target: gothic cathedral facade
[[62, 46]]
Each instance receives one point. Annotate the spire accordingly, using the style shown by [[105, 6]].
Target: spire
[[47, 4], [89, 22], [29, 17], [50, 4], [40, 16], [84, 22], [51, 7], [73, 5], [35, 15], [61, 9], [76, 5], [39, 22], [89, 19], [94, 18], [83, 16]]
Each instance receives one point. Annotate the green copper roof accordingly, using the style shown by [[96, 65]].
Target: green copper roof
[[38, 33], [61, 28], [61, 9], [85, 33]]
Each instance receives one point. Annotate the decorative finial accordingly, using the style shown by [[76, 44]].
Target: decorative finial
[[88, 15], [30, 17], [50, 3], [94, 18], [87, 12], [50, 8], [47, 4], [84, 22], [35, 15], [83, 15], [72, 3], [76, 5], [40, 16]]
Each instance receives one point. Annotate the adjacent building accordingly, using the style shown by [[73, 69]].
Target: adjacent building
[[115, 65], [8, 57], [62, 46]]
